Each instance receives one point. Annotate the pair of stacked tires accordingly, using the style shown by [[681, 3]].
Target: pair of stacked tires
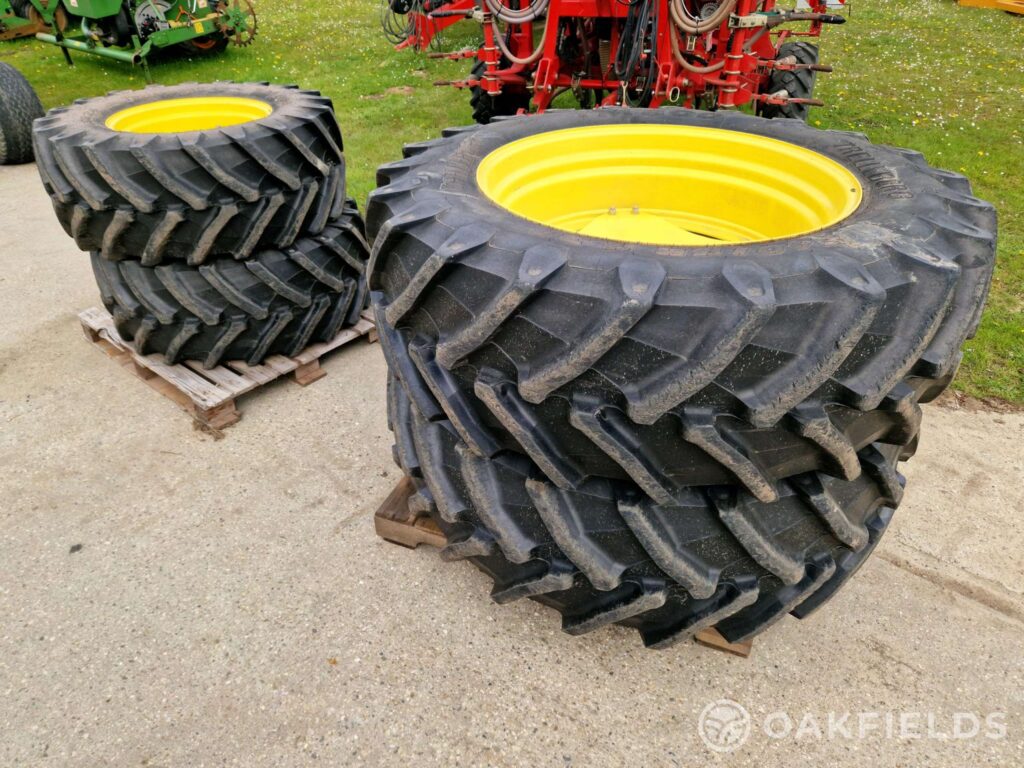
[[667, 435], [215, 216]]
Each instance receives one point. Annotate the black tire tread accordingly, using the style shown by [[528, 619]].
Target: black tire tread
[[799, 84], [190, 196], [189, 47], [601, 554], [278, 302], [887, 335], [19, 106]]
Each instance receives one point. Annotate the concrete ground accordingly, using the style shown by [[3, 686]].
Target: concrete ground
[[171, 599]]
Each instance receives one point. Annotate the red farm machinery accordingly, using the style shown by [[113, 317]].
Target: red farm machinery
[[713, 54]]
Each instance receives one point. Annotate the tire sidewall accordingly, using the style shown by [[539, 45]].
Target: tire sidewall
[[291, 106]]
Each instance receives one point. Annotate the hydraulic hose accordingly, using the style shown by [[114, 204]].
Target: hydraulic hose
[[517, 16], [694, 26], [631, 41], [642, 16], [397, 27], [499, 38], [678, 55], [681, 16]]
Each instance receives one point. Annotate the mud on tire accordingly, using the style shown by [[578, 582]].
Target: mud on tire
[[740, 364], [192, 195], [277, 302]]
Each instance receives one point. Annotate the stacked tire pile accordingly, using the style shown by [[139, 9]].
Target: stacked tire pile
[[679, 432], [215, 216]]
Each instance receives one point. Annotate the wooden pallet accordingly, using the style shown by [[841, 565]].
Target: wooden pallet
[[209, 395], [396, 523]]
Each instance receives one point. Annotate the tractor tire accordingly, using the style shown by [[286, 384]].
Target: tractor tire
[[20, 8], [603, 553], [799, 84], [190, 195], [19, 106], [487, 107], [210, 45], [674, 367], [278, 302]]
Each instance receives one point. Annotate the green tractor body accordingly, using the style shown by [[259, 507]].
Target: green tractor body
[[17, 20], [130, 30], [94, 9]]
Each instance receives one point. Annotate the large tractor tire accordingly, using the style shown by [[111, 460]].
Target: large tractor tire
[[603, 553], [742, 360], [798, 83], [277, 302], [19, 106], [647, 310], [193, 172]]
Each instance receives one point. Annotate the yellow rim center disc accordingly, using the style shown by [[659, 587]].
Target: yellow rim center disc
[[202, 113], [669, 184]]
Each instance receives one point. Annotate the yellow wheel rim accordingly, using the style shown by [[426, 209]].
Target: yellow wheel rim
[[201, 113], [669, 184]]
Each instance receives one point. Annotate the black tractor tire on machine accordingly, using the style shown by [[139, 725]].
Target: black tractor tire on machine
[[560, 397], [487, 107], [193, 194], [205, 46], [277, 302], [798, 84], [19, 107]]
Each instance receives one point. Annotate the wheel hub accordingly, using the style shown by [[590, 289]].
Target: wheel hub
[[188, 114], [669, 184]]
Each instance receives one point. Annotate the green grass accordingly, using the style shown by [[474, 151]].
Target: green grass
[[925, 74]]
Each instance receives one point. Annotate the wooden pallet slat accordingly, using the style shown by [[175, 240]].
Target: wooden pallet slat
[[280, 364], [202, 392], [208, 395], [363, 327], [309, 372], [712, 638], [256, 373], [224, 377], [395, 522]]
